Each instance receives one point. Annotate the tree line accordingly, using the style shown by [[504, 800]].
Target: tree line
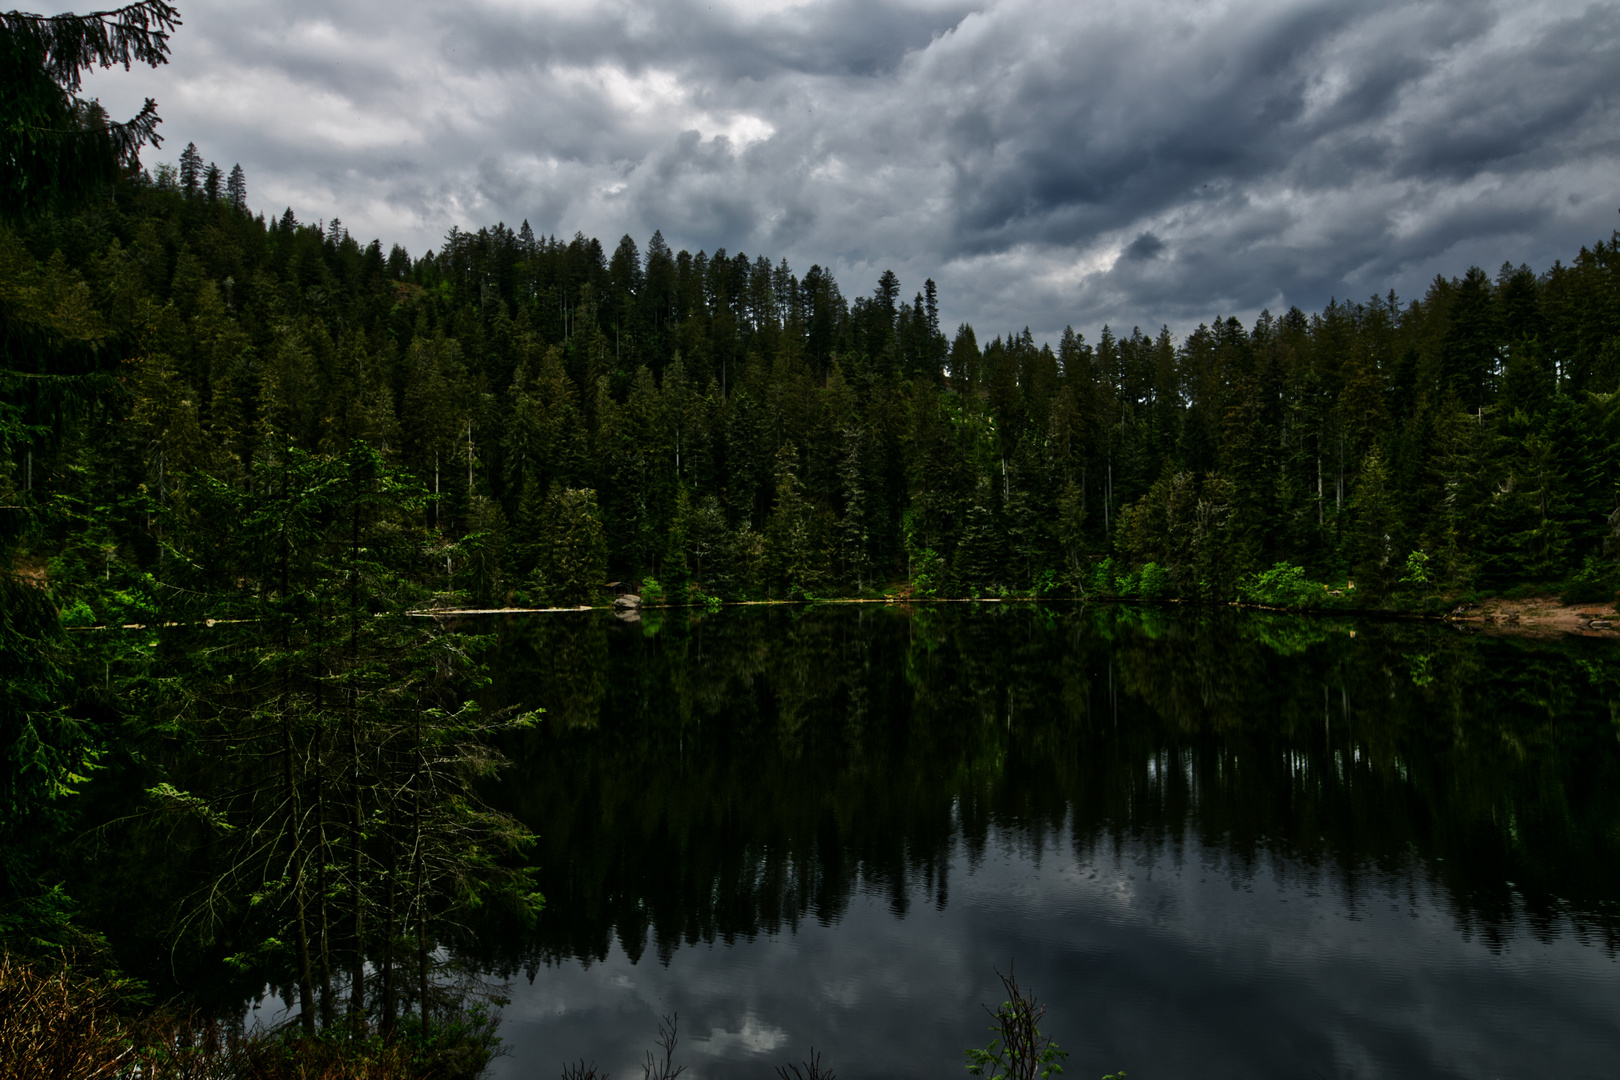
[[726, 427]]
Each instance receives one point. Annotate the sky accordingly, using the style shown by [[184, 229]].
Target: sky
[[1133, 162]]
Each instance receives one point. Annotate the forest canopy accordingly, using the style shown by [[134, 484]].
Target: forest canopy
[[728, 426]]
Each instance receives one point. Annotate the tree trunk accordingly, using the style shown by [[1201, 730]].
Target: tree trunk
[[306, 988], [323, 919], [421, 907], [390, 931], [357, 976]]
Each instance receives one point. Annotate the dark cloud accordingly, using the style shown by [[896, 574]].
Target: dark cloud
[[1047, 163], [1146, 246]]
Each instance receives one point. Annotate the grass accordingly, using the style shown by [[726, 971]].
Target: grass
[[58, 1024]]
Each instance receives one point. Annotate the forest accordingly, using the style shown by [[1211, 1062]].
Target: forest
[[244, 455], [727, 428]]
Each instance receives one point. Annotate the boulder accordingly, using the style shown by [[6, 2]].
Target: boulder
[[627, 600]]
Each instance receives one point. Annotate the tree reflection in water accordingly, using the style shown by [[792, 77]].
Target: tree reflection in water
[[720, 777]]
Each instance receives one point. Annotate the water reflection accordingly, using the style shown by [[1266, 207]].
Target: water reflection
[[1216, 844]]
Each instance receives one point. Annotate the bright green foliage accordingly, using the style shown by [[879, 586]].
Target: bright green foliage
[[1417, 569], [1284, 585], [1154, 582], [46, 754]]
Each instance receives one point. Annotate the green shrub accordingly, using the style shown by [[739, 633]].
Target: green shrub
[[927, 573], [1155, 582], [651, 591], [78, 613], [1417, 569], [1284, 585]]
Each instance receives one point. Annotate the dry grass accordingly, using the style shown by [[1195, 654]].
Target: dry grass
[[59, 1025]]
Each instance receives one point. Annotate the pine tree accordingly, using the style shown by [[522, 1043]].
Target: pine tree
[[191, 170], [571, 567], [56, 147], [854, 529], [236, 188], [1374, 544], [795, 540]]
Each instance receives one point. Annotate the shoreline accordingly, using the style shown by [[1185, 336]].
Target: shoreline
[[1536, 616]]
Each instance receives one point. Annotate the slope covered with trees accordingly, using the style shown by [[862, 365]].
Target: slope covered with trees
[[722, 424]]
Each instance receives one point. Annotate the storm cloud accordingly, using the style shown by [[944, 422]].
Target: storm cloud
[[1132, 162]]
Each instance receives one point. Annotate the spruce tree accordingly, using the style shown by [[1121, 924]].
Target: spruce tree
[[236, 188], [56, 147], [191, 170]]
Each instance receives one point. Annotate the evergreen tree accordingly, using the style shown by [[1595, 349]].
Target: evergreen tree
[[56, 147], [191, 170], [236, 188], [571, 567]]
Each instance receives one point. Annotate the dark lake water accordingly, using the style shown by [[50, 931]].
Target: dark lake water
[[1215, 844]]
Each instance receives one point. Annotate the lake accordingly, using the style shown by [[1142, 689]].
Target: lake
[[1214, 844]]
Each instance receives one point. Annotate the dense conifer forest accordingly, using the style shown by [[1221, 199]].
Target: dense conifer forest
[[729, 428]]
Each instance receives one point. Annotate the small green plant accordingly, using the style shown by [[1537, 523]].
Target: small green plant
[[78, 613], [927, 571], [651, 591], [1019, 1050], [1417, 569], [696, 597]]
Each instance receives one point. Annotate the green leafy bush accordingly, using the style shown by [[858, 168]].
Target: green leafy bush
[[1417, 569], [651, 591], [1154, 583], [696, 597], [1284, 585], [927, 573], [78, 613]]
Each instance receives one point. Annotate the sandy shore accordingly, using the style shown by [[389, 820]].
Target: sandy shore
[[1541, 616]]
